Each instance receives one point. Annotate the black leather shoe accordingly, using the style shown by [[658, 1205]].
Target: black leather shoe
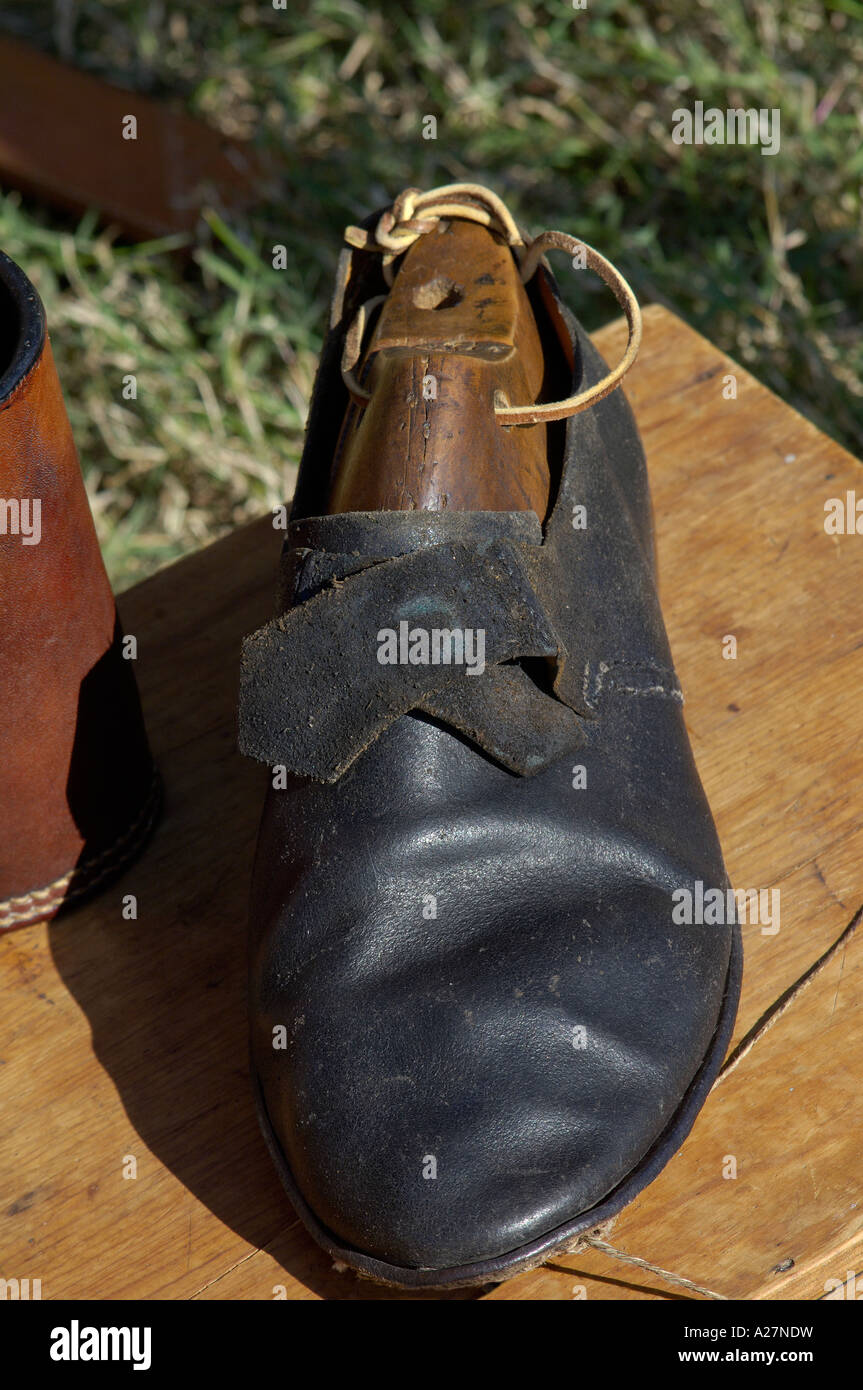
[[479, 1025]]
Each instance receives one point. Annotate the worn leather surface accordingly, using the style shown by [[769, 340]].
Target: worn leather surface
[[431, 933], [313, 694], [75, 768]]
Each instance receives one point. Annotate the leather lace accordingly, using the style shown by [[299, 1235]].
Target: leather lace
[[414, 214]]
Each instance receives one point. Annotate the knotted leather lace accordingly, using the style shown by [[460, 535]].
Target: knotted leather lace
[[414, 214]]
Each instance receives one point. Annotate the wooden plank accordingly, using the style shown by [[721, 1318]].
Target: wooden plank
[[128, 1038], [312, 1277], [153, 185]]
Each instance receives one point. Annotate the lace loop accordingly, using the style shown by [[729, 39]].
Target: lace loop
[[415, 214]]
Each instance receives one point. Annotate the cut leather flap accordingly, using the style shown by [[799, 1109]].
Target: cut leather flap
[[427, 630]]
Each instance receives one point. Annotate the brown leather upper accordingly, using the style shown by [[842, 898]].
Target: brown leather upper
[[75, 769]]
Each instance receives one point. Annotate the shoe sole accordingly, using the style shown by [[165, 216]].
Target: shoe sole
[[557, 1241]]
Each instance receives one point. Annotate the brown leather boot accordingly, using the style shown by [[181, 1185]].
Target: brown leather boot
[[79, 793]]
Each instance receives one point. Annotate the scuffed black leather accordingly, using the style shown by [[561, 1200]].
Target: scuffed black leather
[[431, 933], [313, 695]]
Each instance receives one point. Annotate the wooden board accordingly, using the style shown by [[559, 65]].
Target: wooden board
[[152, 185], [127, 1039]]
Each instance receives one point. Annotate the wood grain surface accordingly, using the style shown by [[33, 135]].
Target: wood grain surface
[[123, 1045]]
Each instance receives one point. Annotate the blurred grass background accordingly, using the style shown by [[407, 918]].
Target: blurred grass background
[[566, 113]]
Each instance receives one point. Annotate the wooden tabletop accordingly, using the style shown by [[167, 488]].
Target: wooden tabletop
[[123, 1049], [148, 167]]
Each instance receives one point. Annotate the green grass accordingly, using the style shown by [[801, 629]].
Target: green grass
[[567, 114]]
